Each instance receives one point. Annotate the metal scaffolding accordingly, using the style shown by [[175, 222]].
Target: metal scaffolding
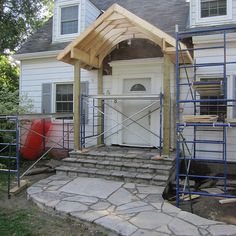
[[156, 103], [201, 95]]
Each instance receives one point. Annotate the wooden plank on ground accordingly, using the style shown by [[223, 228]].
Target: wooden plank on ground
[[227, 200], [23, 185]]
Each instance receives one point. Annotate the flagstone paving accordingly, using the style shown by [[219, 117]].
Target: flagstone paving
[[125, 208]]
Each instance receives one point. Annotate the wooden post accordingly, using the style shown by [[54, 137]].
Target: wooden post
[[174, 113], [100, 139], [166, 106], [77, 77]]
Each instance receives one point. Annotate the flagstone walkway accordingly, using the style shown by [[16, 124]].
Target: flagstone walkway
[[125, 208]]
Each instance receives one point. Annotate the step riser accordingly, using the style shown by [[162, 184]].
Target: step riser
[[120, 168], [126, 159], [127, 179]]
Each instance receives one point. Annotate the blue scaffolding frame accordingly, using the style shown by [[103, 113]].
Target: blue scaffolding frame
[[10, 149], [222, 126], [99, 111]]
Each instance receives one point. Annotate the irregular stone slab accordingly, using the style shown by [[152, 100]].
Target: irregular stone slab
[[142, 232], [154, 198], [182, 228], [33, 190], [59, 182], [82, 199], [57, 178], [117, 224], [53, 188], [101, 206], [135, 210], [89, 216], [68, 207], [131, 205], [195, 219], [170, 209], [44, 197], [203, 232], [129, 185], [157, 205], [164, 229], [151, 190], [222, 230], [52, 204], [93, 187], [142, 196], [122, 196], [150, 220]]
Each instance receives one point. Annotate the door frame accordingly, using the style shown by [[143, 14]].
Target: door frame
[[137, 69]]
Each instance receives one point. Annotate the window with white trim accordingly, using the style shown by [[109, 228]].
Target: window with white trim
[[69, 20], [64, 98], [212, 8]]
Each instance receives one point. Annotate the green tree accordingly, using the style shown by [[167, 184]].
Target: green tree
[[9, 74], [18, 19]]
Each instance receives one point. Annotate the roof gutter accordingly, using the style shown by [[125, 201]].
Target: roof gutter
[[36, 55]]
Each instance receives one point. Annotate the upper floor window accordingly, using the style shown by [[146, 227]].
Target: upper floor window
[[211, 8], [69, 20]]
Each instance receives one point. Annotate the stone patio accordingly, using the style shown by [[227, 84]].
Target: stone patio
[[124, 208]]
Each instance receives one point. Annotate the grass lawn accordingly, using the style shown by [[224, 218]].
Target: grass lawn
[[16, 223], [20, 217]]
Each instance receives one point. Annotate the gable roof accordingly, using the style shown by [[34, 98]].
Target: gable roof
[[116, 25], [162, 14]]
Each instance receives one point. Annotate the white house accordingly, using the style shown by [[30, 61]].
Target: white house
[[126, 51]]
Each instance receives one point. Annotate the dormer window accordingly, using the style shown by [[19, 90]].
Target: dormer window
[[211, 8], [69, 20]]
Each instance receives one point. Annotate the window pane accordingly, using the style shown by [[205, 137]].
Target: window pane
[[213, 8], [138, 87], [69, 20], [64, 98], [69, 13], [69, 27]]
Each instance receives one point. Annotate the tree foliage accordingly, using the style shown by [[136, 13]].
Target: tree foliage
[[18, 19], [9, 74]]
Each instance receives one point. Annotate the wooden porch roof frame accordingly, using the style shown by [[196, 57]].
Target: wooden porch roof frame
[[114, 26]]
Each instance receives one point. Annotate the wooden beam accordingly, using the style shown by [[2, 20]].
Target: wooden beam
[[174, 112], [166, 106], [77, 80], [100, 139], [115, 16], [83, 57]]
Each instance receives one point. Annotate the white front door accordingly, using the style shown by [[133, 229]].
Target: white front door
[[135, 134]]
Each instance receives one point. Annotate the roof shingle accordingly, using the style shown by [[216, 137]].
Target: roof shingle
[[162, 14]]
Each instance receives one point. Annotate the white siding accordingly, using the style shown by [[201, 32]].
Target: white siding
[[36, 72], [91, 13], [212, 56], [196, 21]]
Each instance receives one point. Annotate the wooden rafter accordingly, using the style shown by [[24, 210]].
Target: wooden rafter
[[114, 26]]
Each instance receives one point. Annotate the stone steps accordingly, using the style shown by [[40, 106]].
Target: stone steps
[[154, 179], [129, 165], [121, 157], [118, 165]]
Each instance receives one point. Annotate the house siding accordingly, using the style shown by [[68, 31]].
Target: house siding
[[36, 72], [91, 13]]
